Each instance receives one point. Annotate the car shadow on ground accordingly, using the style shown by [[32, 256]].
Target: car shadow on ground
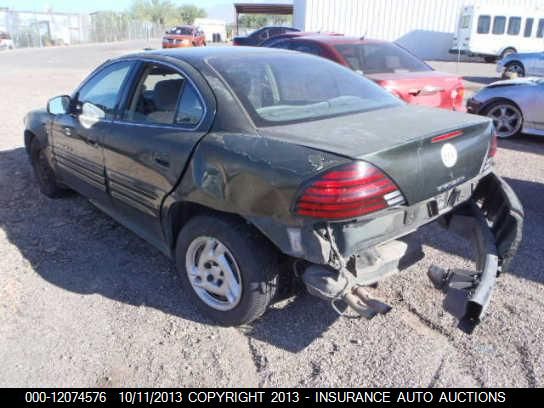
[[524, 143], [76, 247]]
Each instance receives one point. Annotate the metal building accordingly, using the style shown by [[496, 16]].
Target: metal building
[[425, 27]]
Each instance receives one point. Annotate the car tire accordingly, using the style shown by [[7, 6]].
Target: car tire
[[507, 52], [514, 68], [236, 281], [507, 118], [45, 175], [490, 60]]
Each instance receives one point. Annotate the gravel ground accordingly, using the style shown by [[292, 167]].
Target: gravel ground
[[84, 302]]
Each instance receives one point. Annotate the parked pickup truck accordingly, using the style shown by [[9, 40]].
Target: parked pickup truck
[[234, 161]]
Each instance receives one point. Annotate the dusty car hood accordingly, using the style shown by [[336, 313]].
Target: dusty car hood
[[358, 135]]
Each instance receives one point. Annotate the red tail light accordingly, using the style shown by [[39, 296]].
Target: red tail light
[[457, 96], [492, 146], [347, 192]]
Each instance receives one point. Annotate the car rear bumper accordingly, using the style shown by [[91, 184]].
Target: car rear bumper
[[490, 219]]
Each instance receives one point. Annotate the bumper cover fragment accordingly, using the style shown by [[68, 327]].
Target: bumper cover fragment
[[493, 222]]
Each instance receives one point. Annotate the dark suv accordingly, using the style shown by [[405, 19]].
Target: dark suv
[[262, 34]]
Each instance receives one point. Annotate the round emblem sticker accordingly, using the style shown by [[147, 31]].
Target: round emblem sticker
[[449, 155]]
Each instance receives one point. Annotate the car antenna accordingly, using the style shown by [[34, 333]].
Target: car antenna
[[363, 36]]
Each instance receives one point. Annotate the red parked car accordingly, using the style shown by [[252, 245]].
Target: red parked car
[[389, 65], [184, 36]]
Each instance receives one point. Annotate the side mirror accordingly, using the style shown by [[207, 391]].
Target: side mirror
[[59, 105]]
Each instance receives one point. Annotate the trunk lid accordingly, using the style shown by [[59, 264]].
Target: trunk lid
[[429, 88], [399, 142]]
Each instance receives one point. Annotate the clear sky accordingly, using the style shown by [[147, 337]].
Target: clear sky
[[215, 8]]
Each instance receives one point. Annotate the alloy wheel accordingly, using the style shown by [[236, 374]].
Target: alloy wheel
[[213, 273], [515, 69], [507, 120]]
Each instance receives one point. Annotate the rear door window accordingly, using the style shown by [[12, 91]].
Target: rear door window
[[283, 44], [190, 108], [276, 31], [499, 25], [380, 58], [514, 25], [164, 96], [484, 24], [306, 47], [528, 27]]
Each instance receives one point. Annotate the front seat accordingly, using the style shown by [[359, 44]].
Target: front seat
[[165, 97]]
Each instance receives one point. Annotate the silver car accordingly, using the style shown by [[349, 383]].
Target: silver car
[[521, 65], [515, 105]]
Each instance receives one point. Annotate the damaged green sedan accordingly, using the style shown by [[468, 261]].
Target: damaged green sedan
[[236, 162]]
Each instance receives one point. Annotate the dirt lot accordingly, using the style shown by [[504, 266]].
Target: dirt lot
[[84, 302]]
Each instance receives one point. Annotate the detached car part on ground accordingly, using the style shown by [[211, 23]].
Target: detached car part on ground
[[515, 106], [236, 162]]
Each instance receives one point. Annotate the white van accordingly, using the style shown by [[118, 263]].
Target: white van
[[495, 32]]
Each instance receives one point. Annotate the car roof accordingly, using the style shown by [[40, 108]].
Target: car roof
[[339, 39], [277, 26], [202, 53]]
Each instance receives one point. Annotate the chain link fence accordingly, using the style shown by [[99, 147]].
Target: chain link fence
[[37, 29]]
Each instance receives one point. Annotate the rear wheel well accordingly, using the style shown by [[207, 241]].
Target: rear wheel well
[[507, 51], [181, 212], [494, 101]]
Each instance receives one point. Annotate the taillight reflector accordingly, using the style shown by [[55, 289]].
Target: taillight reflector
[[446, 136], [348, 191]]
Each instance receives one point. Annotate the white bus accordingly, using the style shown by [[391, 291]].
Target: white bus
[[495, 32]]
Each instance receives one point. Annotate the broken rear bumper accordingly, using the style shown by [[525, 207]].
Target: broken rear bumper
[[493, 222]]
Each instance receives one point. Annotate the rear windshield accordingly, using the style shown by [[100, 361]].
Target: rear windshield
[[181, 31], [286, 88], [380, 58]]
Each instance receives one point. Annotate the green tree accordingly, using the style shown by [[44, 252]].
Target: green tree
[[189, 12], [157, 11]]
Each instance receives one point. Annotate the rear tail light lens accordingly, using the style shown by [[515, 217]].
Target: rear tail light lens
[[347, 192], [492, 146], [457, 96]]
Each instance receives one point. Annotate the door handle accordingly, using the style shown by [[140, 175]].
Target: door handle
[[67, 130], [161, 159]]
